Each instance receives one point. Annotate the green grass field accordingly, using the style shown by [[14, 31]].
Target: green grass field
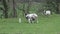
[[46, 25]]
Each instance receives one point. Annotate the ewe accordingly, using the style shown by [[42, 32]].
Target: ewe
[[48, 12], [31, 17]]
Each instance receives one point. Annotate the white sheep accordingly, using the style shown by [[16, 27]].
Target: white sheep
[[32, 17], [48, 12]]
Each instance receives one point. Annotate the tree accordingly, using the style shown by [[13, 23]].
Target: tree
[[5, 10], [57, 7], [14, 9], [29, 4], [53, 5]]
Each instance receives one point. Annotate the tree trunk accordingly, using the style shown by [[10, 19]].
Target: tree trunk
[[26, 11], [5, 11], [29, 4], [57, 9], [14, 9]]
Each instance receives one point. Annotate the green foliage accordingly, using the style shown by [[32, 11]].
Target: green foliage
[[51, 5], [34, 8]]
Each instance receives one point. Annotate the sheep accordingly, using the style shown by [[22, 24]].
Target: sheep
[[48, 12], [31, 17]]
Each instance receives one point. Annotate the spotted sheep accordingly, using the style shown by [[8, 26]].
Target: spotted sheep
[[31, 17]]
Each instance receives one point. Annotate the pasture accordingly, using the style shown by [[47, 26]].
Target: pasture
[[46, 25]]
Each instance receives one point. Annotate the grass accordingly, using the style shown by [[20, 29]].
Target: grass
[[46, 25]]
